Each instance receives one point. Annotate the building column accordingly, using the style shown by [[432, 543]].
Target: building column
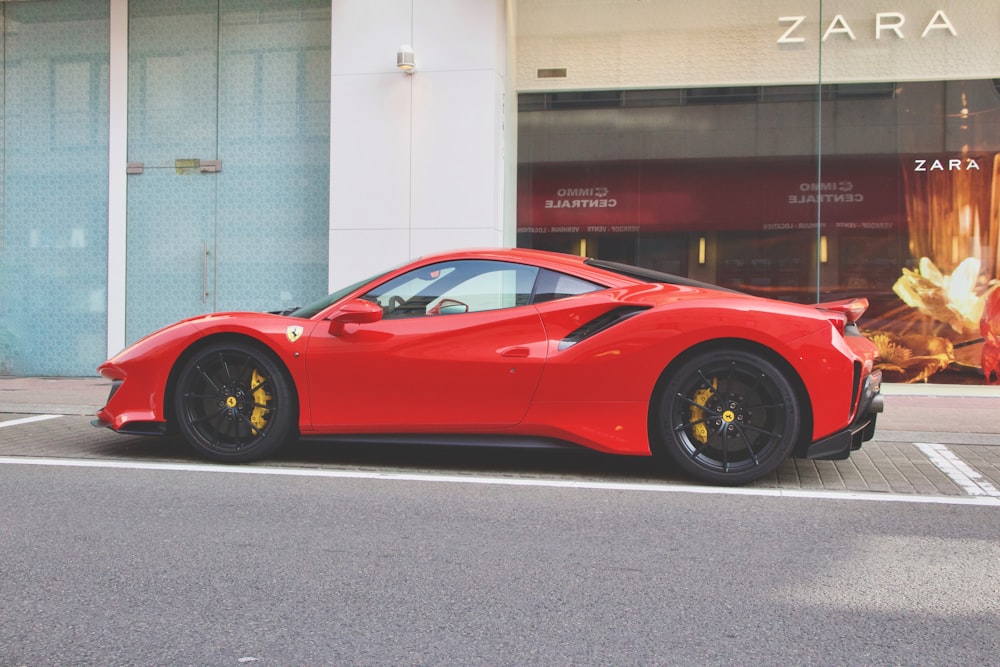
[[416, 160]]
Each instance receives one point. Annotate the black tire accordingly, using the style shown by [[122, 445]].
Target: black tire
[[233, 402], [726, 417]]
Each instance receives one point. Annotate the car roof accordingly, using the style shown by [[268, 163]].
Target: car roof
[[557, 261], [614, 274]]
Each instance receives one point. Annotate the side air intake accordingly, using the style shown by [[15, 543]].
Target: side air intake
[[599, 324]]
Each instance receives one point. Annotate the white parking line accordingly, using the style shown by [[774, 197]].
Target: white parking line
[[960, 472], [502, 481], [28, 420]]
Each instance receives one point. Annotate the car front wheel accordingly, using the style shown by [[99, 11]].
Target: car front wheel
[[726, 416], [233, 402]]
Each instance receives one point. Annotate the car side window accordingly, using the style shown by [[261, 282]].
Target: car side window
[[455, 287], [553, 285]]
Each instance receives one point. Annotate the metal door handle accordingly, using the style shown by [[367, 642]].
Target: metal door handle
[[517, 351]]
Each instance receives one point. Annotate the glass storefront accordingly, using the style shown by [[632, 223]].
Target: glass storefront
[[824, 156], [54, 224], [228, 109], [797, 149], [228, 176]]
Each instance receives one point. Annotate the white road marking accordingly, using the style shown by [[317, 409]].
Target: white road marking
[[28, 420], [503, 481], [960, 472]]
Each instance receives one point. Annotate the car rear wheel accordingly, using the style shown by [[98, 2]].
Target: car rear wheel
[[234, 403], [726, 416]]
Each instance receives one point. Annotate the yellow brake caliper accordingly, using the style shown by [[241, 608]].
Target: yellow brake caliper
[[261, 400], [700, 430]]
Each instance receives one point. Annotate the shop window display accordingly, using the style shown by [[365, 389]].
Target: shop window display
[[900, 204]]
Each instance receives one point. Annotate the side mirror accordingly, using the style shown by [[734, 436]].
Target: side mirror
[[358, 311]]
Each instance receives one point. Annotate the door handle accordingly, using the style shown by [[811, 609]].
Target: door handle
[[204, 272], [180, 166], [518, 351], [184, 166]]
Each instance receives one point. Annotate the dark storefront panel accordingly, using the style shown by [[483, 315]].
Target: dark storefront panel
[[915, 230]]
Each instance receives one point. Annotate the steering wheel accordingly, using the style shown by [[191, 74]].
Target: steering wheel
[[396, 302]]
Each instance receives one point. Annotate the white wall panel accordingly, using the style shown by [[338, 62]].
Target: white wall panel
[[665, 43], [372, 251], [454, 185], [370, 147], [426, 241], [458, 34], [366, 35], [416, 160]]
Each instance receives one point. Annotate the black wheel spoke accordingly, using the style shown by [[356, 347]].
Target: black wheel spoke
[[253, 429], [697, 451], [264, 381], [225, 368], [209, 417], [729, 378], [687, 423], [763, 431], [201, 397], [708, 383], [767, 406], [749, 446], [751, 390], [208, 379], [696, 404], [725, 453]]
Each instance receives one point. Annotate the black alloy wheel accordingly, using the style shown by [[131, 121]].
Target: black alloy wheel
[[726, 417], [233, 402]]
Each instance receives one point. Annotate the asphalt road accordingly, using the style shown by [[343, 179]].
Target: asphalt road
[[148, 563], [125, 550]]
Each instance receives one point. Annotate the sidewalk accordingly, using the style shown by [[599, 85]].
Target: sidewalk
[[57, 396], [942, 410]]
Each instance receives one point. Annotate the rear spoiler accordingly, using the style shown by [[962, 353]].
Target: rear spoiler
[[851, 309]]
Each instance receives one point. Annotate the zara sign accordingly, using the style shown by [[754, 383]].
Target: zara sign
[[886, 24]]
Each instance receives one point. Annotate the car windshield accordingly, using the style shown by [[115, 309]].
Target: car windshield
[[305, 312]]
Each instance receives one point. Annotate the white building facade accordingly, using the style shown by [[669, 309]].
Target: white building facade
[[167, 158]]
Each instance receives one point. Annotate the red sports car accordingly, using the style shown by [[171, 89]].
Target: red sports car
[[515, 347]]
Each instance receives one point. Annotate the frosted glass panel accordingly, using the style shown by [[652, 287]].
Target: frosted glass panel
[[274, 74], [172, 109], [245, 82], [172, 80], [53, 252]]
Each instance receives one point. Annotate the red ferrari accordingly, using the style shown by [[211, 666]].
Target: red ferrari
[[515, 347]]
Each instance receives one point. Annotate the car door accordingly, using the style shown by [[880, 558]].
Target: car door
[[458, 347]]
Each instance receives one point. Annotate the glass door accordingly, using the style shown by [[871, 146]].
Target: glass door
[[172, 133], [53, 186], [228, 150]]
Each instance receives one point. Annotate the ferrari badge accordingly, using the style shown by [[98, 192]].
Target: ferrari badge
[[293, 333]]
